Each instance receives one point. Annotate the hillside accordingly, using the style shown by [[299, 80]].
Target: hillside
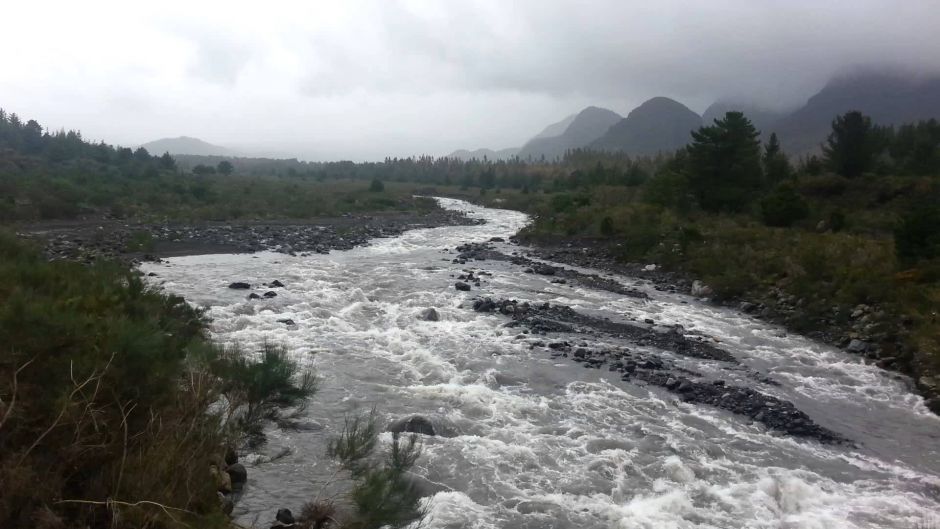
[[658, 125], [479, 154], [185, 145], [889, 99], [589, 124]]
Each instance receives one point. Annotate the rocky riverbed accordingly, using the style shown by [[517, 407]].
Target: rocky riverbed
[[88, 240], [562, 326], [865, 330]]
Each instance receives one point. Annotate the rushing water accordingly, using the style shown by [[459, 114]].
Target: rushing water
[[531, 441]]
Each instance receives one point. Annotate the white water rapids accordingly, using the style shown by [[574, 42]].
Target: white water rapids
[[534, 441]]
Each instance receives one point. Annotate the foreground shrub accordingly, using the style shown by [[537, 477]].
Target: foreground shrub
[[97, 396]]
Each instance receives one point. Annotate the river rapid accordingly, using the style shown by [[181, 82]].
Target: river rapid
[[531, 440]]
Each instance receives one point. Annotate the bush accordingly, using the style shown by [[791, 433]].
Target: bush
[[376, 186], [783, 207], [917, 235], [93, 403]]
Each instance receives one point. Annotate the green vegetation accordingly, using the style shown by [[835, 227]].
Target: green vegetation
[[114, 406], [808, 244]]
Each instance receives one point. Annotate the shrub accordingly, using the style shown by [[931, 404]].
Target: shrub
[[376, 186], [917, 235], [783, 207]]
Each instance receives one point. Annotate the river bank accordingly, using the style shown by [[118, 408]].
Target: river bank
[[862, 332], [87, 240]]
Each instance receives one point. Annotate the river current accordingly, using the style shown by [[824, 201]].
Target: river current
[[529, 440]]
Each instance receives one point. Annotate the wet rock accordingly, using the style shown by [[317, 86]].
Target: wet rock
[[285, 518], [270, 294], [413, 424], [700, 290], [276, 284], [857, 346], [253, 296], [239, 476], [430, 314], [286, 321], [460, 285], [240, 285]]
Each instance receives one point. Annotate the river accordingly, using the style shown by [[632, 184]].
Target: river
[[534, 440]]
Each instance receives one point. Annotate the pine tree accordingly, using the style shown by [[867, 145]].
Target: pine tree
[[724, 164], [852, 146], [776, 165]]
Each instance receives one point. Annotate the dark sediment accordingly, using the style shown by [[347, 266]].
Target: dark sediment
[[483, 251], [107, 238], [656, 369]]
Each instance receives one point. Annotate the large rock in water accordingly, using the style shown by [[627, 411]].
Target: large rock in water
[[413, 424], [240, 285], [239, 476], [430, 314], [460, 285]]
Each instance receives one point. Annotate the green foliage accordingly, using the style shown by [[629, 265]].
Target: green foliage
[[917, 235], [607, 226], [257, 387], [376, 186], [225, 167], [783, 207], [99, 389], [776, 164], [383, 494], [724, 164], [852, 146]]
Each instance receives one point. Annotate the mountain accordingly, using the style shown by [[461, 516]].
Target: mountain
[[764, 120], [658, 125], [185, 145], [588, 125], [890, 99], [489, 154], [556, 129]]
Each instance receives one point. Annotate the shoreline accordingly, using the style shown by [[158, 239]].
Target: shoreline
[[595, 254], [132, 242]]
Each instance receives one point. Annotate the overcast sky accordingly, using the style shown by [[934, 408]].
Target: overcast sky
[[361, 80]]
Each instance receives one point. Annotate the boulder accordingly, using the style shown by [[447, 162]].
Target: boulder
[[285, 517], [857, 346], [253, 296], [430, 314], [239, 476], [413, 424], [240, 285], [460, 285], [700, 290], [270, 294], [276, 284], [286, 321]]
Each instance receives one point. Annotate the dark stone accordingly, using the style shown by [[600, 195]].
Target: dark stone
[[253, 296], [285, 516], [152, 274], [413, 424], [240, 285], [462, 286], [286, 321], [239, 476], [270, 294], [857, 346], [430, 314], [276, 284]]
